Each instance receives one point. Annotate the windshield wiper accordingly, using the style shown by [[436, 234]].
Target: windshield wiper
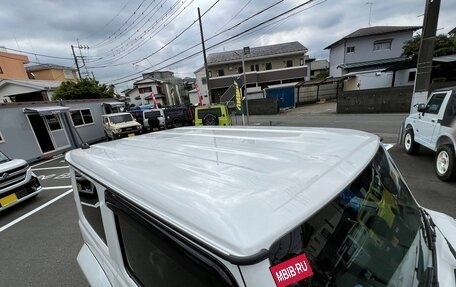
[[432, 224], [429, 228]]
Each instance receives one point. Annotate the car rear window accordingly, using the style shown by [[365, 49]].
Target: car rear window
[[362, 237], [204, 112], [152, 114]]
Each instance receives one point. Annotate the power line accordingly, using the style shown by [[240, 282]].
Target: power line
[[117, 56], [213, 46], [121, 26], [41, 55]]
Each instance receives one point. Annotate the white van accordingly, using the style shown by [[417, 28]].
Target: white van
[[255, 206]]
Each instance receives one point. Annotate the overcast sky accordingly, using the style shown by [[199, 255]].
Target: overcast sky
[[126, 37]]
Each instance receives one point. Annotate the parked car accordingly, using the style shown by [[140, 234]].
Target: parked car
[[150, 119], [17, 182], [178, 116], [431, 127], [255, 206], [120, 125], [214, 115]]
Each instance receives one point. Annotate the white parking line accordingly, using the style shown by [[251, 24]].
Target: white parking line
[[14, 222], [57, 187], [49, 168], [55, 158]]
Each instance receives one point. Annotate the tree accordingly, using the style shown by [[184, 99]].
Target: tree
[[83, 89], [443, 45]]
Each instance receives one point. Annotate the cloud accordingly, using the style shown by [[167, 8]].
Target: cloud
[[124, 31]]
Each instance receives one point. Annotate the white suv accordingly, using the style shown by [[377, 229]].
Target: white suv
[[17, 182], [120, 125], [254, 206], [432, 126]]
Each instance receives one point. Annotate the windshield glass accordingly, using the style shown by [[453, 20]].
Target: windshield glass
[[369, 235], [121, 118], [3, 158]]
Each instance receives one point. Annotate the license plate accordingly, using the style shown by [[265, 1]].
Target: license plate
[[8, 199], [131, 135]]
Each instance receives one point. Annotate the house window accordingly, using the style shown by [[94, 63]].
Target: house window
[[289, 63], [268, 66], [411, 77], [160, 90], [53, 122], [240, 70], [145, 90], [68, 74], [203, 80], [351, 49], [221, 72], [210, 74], [81, 117], [382, 45], [2, 139], [301, 62], [254, 67]]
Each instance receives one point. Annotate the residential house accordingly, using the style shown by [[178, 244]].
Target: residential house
[[365, 53], [12, 90], [141, 93], [317, 67], [51, 72], [166, 88], [174, 86], [12, 65], [264, 66]]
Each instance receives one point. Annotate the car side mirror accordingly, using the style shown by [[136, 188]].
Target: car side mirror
[[421, 108]]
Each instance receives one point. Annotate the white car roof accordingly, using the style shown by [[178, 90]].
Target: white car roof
[[237, 189]]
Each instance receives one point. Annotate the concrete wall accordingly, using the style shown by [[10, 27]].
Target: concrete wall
[[386, 100]]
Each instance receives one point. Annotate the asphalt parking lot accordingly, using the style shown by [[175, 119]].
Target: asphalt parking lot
[[40, 238]]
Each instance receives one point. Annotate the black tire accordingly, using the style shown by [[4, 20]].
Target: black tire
[[177, 122], [210, 120], [410, 145], [106, 134], [444, 163]]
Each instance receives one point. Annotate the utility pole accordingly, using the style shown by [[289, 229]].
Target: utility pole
[[81, 47], [76, 62], [245, 51], [426, 53], [205, 59]]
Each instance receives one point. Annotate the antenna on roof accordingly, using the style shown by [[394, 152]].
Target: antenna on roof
[[370, 11]]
